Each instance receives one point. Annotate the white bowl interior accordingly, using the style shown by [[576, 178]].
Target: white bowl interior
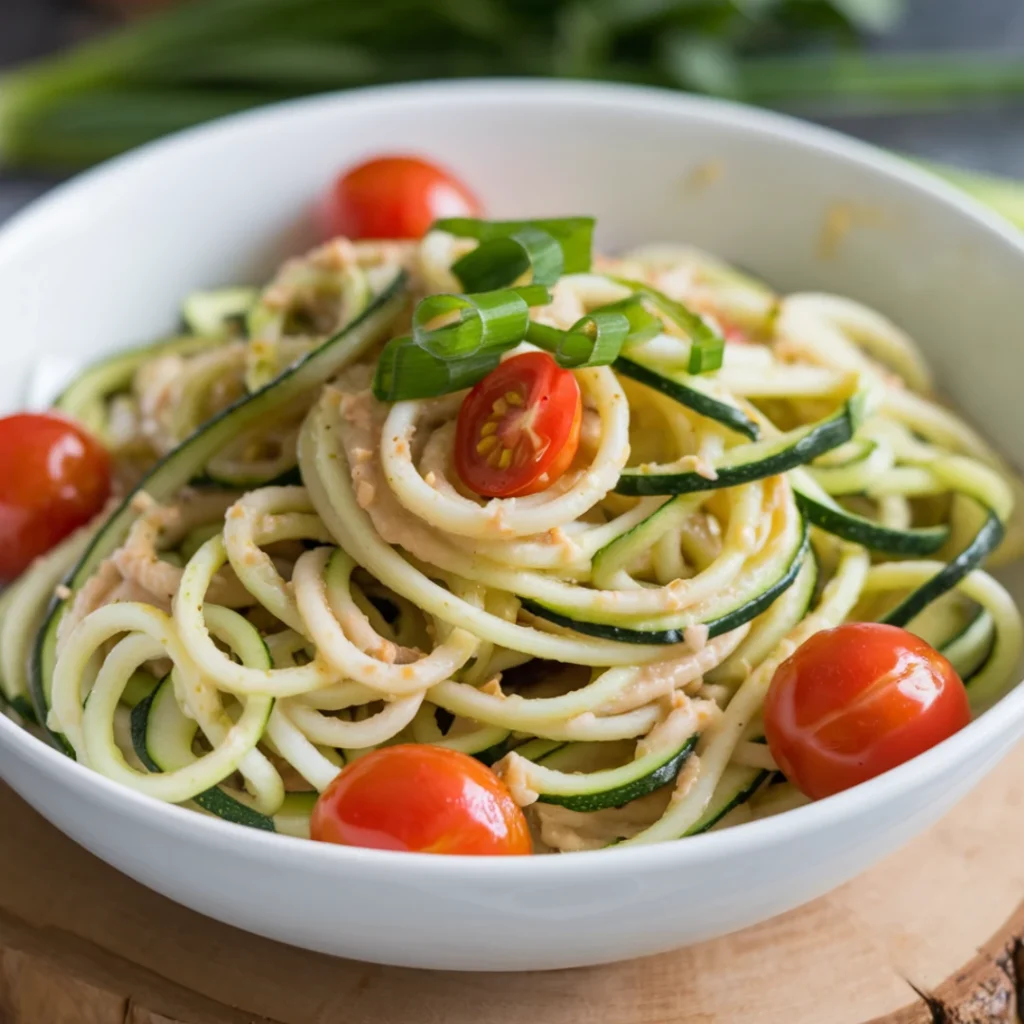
[[104, 262]]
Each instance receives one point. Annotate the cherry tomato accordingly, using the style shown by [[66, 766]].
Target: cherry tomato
[[519, 428], [855, 701], [395, 197], [421, 799], [54, 478]]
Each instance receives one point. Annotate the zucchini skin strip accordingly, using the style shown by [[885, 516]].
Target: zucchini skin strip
[[857, 529], [969, 651], [618, 796], [737, 617], [985, 541], [809, 443], [706, 405], [214, 800], [83, 398], [741, 784]]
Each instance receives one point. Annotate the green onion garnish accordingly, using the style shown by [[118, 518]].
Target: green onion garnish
[[707, 346], [456, 340], [643, 324], [594, 340], [501, 262], [407, 371], [598, 338], [510, 248]]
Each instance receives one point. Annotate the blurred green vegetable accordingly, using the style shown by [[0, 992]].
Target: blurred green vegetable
[[210, 57], [206, 58], [1003, 195]]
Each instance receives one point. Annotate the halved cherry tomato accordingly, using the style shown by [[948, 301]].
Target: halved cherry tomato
[[519, 428], [855, 701], [421, 799], [54, 478], [395, 197]]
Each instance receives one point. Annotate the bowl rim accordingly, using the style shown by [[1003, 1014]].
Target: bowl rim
[[747, 838]]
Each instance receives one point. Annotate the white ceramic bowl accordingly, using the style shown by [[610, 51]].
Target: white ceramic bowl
[[103, 262]]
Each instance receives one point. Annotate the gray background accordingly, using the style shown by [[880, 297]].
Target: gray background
[[988, 137]]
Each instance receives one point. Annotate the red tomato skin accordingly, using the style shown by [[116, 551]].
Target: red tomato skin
[[551, 400], [54, 478], [856, 701], [563, 460], [395, 197], [418, 798]]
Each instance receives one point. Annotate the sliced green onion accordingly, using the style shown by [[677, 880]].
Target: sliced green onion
[[510, 248], [594, 340], [497, 318], [500, 262], [707, 346], [456, 340], [407, 371], [534, 294], [643, 324], [598, 338]]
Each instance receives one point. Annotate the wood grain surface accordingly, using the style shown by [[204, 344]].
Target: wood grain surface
[[933, 934]]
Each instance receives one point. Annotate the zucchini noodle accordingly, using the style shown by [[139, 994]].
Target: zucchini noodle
[[327, 584]]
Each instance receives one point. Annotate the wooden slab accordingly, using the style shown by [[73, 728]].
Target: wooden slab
[[934, 934]]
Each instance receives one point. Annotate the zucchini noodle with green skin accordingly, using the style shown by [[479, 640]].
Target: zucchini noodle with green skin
[[327, 584]]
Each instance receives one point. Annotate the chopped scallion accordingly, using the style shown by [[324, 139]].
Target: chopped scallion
[[511, 247], [500, 262], [707, 345], [453, 326], [594, 340], [598, 338], [456, 340]]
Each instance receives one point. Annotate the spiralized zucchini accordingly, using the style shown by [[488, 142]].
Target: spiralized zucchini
[[327, 585]]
